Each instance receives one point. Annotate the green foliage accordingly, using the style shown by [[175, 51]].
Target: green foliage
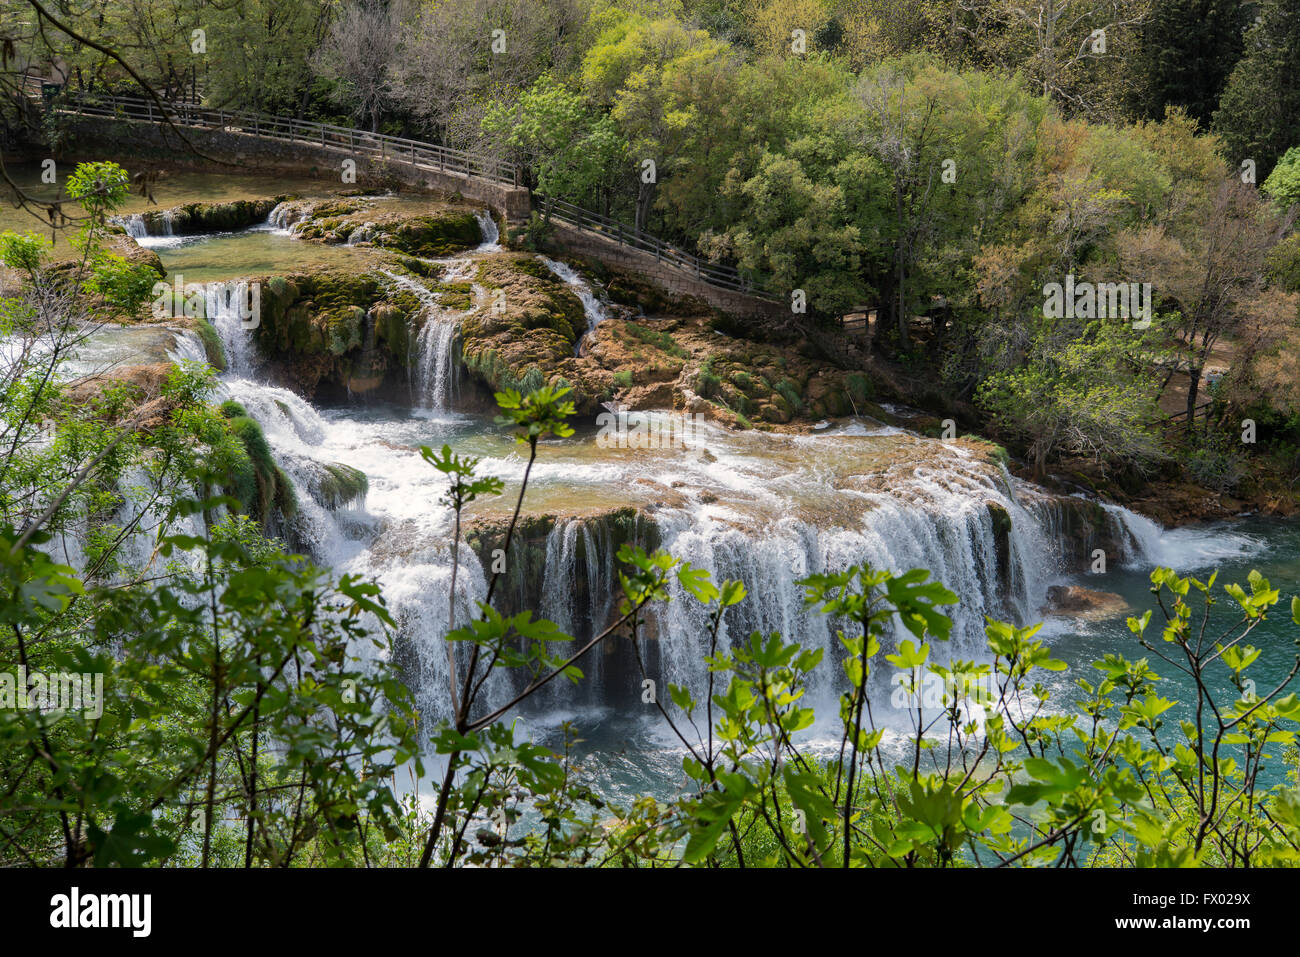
[[1079, 396], [101, 188], [1259, 113], [25, 251], [124, 286], [1283, 184], [573, 150]]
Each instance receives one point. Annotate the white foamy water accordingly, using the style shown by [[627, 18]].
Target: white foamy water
[[435, 364], [765, 509], [491, 234], [592, 307]]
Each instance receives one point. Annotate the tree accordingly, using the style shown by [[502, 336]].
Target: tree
[[1079, 53], [795, 232], [359, 52], [1084, 396], [648, 74], [1283, 184], [1259, 114], [460, 56], [575, 152], [1188, 51], [1210, 272]]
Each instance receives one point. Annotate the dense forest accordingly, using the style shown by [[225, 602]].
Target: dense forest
[[1067, 230]]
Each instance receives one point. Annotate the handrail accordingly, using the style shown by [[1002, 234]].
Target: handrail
[[416, 153], [267, 126], [713, 274]]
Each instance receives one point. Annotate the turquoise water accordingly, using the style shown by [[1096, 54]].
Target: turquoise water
[[626, 753]]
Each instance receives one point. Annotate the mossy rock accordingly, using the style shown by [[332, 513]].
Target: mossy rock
[[347, 329], [256, 482], [432, 236], [213, 347], [528, 339], [340, 486], [193, 218]]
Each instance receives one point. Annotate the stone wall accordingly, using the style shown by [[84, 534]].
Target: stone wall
[[156, 143], [674, 279]]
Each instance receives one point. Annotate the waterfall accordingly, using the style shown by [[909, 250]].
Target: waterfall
[[491, 235], [436, 366], [577, 593], [995, 541], [592, 307], [399, 536], [284, 217], [1185, 549], [135, 227], [188, 348], [361, 234], [230, 307]]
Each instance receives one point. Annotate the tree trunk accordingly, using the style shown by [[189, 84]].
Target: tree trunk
[[1193, 387], [644, 197], [900, 314]]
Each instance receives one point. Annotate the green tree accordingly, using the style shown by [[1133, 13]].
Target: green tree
[[574, 151], [1086, 396], [1188, 50], [1283, 184], [1259, 113]]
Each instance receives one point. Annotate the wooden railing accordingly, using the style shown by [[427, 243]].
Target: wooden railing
[[288, 130], [402, 150], [714, 274]]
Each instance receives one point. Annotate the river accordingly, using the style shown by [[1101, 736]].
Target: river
[[764, 508]]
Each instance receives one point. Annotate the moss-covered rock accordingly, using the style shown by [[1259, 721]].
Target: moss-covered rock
[[256, 481], [429, 236], [439, 229], [193, 218], [213, 347], [350, 330], [525, 333]]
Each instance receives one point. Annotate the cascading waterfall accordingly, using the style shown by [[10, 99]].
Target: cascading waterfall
[[994, 540], [285, 216], [592, 307], [579, 595], [491, 234], [362, 234], [436, 366], [135, 227], [943, 520], [227, 306], [398, 537]]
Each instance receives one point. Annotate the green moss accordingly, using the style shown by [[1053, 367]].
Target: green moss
[[257, 482], [707, 383], [623, 379], [209, 217], [657, 338], [430, 236], [212, 345], [790, 392], [535, 268], [457, 295], [342, 486]]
